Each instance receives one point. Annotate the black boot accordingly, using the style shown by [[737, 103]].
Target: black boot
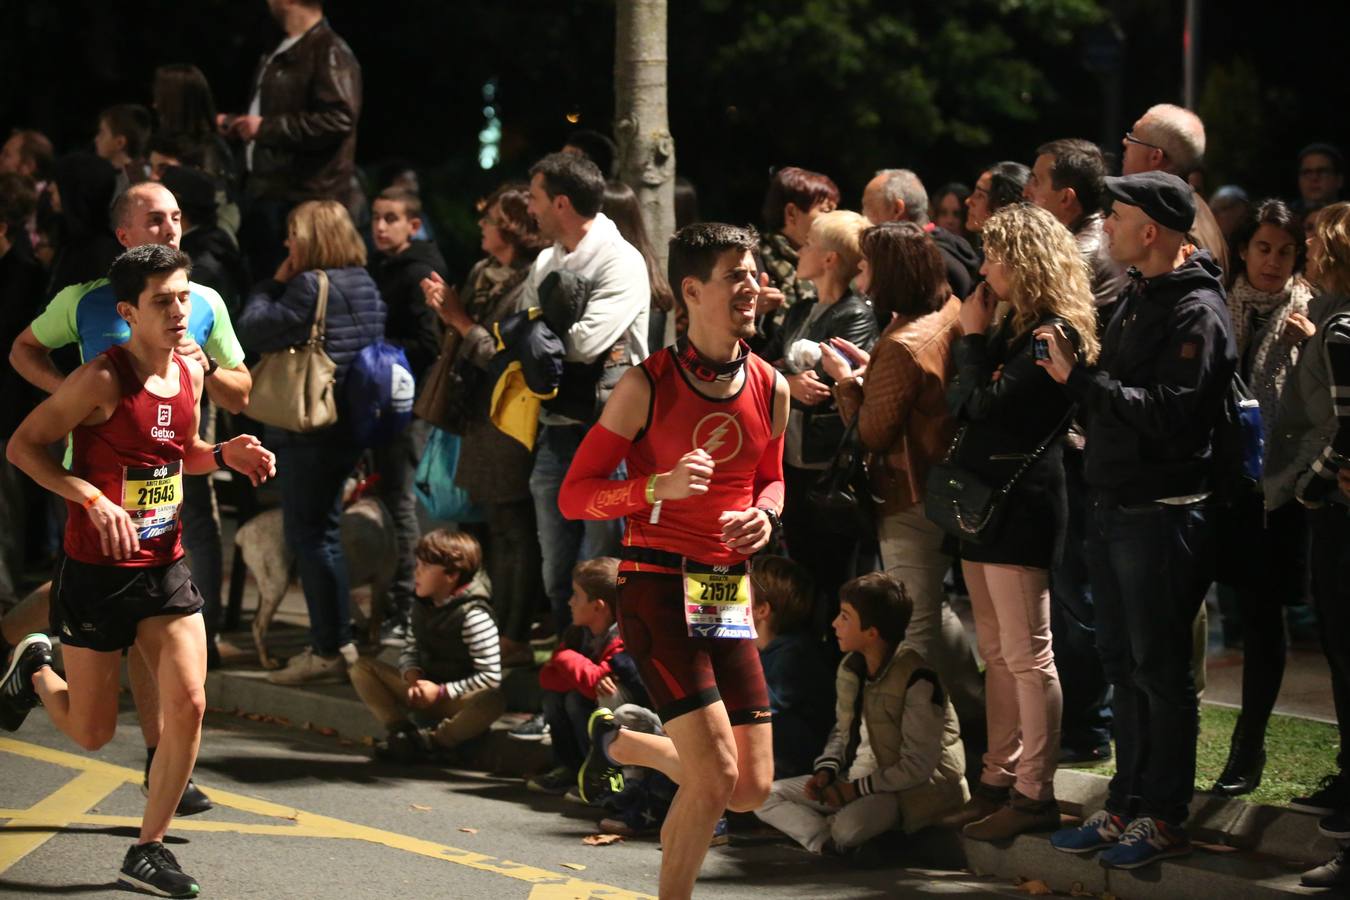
[[1246, 761]]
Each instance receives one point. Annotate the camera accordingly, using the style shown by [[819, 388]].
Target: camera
[[1040, 348]]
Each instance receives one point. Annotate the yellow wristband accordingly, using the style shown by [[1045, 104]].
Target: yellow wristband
[[92, 500], [651, 490]]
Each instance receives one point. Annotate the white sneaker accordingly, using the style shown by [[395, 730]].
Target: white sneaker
[[308, 667]]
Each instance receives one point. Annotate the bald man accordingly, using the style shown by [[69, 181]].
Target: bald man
[[86, 314], [1169, 138]]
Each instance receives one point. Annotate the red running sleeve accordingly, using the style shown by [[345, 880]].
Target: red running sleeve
[[588, 493], [769, 487]]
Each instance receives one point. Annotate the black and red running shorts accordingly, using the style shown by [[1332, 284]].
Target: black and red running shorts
[[684, 673]]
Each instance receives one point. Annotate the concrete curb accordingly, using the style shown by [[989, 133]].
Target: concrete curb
[[1203, 874]]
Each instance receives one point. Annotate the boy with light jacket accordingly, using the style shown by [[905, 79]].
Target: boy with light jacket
[[894, 757]]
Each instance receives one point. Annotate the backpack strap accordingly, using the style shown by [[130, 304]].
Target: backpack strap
[[316, 331]]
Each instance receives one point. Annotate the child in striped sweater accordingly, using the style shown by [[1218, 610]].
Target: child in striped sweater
[[449, 675]]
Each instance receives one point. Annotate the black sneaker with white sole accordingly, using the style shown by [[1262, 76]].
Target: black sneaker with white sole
[[152, 868], [193, 801], [535, 728], [1332, 794], [599, 775], [17, 696]]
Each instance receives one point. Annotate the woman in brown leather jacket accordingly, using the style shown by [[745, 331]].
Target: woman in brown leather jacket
[[898, 393]]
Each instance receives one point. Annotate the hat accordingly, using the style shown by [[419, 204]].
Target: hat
[[1164, 198]]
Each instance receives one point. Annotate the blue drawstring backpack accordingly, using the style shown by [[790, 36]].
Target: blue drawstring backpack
[[435, 485], [379, 394]]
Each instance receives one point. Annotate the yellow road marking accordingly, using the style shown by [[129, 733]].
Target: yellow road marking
[[70, 804], [57, 810]]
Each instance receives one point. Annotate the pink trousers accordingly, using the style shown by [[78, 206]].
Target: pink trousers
[[1023, 701]]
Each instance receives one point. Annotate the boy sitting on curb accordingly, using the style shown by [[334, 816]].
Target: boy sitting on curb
[[895, 756], [801, 686], [590, 662], [450, 670]]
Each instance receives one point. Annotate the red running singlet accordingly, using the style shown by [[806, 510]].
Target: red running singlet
[[734, 431], [136, 459]]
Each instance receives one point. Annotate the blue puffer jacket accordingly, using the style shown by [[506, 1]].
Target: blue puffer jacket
[[279, 315]]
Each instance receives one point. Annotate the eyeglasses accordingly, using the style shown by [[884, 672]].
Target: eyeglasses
[[1319, 172], [488, 220], [1131, 139]]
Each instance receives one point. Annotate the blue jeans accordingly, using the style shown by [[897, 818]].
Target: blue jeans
[[563, 542], [1087, 697], [567, 716], [1150, 566], [311, 478]]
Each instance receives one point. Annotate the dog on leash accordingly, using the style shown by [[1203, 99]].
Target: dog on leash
[[367, 544]]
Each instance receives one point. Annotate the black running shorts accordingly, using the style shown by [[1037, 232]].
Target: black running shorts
[[98, 607], [684, 673]]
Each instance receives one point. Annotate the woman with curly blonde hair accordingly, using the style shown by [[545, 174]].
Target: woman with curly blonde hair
[[1011, 417]]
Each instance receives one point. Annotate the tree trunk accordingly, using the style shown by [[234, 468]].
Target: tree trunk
[[641, 120]]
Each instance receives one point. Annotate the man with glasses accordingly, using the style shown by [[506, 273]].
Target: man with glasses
[[1170, 138], [1319, 177]]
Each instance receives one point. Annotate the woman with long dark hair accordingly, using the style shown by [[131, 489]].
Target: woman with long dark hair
[[898, 393], [621, 205], [185, 106], [1265, 545]]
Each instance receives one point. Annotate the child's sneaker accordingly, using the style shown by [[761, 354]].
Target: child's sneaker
[[1101, 829], [1147, 840], [152, 868], [532, 729], [556, 781], [599, 774], [17, 695]]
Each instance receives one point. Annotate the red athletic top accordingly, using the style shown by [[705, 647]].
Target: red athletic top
[[136, 459], [735, 432]]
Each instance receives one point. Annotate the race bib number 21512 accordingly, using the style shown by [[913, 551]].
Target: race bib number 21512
[[717, 601]]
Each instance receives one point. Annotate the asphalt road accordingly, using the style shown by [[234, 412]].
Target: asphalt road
[[300, 815]]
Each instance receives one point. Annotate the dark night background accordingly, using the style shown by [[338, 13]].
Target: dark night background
[[843, 86]]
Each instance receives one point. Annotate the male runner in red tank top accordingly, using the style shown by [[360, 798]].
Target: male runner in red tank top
[[700, 426], [132, 413]]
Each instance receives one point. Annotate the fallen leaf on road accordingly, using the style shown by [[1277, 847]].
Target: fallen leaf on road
[[327, 732], [1035, 888], [575, 867], [600, 840], [1079, 891], [419, 807], [468, 830]]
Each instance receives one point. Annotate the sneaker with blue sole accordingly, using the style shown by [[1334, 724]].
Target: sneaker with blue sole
[[600, 776], [1146, 841], [1101, 829]]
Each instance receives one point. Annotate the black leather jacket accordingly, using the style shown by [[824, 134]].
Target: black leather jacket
[[311, 99]]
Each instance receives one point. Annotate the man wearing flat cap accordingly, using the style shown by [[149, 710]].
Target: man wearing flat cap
[[1150, 406]]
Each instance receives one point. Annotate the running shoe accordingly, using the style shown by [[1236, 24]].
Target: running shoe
[[152, 868], [599, 775], [556, 781], [193, 801], [1101, 829], [1333, 793], [1147, 840], [17, 695]]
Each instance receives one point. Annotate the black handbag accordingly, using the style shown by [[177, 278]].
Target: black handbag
[[962, 503], [842, 498]]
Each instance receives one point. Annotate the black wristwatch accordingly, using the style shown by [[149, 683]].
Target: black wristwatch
[[775, 522], [211, 366], [218, 451]]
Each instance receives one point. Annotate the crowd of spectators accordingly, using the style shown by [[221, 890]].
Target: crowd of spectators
[[1069, 338]]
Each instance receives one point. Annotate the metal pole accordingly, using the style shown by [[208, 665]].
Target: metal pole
[[1190, 40]]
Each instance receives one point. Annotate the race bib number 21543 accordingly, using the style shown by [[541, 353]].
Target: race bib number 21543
[[151, 496]]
